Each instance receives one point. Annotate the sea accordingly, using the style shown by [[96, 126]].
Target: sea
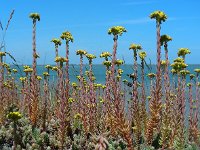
[[100, 70]]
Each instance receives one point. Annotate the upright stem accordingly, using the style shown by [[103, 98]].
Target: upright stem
[[34, 85], [67, 70]]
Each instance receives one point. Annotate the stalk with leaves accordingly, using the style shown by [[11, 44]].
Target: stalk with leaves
[[156, 103], [34, 85]]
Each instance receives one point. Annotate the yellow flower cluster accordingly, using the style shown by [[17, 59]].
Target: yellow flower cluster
[[120, 71], [55, 68], [74, 84], [48, 66], [107, 63], [151, 75], [184, 72], [135, 47], [35, 16], [57, 42], [77, 116], [67, 36], [7, 84], [197, 70], [60, 59], [117, 30], [105, 54], [45, 74], [28, 70], [90, 56], [163, 62], [2, 54], [39, 78], [142, 55], [183, 51], [178, 65], [164, 39], [119, 62], [14, 71], [159, 16], [22, 79], [14, 116], [81, 52]]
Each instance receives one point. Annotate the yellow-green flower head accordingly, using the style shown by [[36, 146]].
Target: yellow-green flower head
[[148, 97], [35, 16], [57, 42], [103, 86], [45, 74], [81, 52], [142, 55], [189, 84], [67, 36], [198, 83], [163, 62], [165, 39], [14, 70], [70, 100], [120, 71], [135, 47], [101, 100], [28, 70], [118, 77], [151, 75], [183, 51], [125, 81], [107, 63], [39, 78], [26, 67], [184, 72], [160, 16], [14, 116], [60, 59], [74, 84], [93, 78], [117, 30], [99, 85], [22, 79], [119, 62], [90, 56], [192, 76], [6, 65], [178, 66], [179, 59], [77, 116], [173, 71], [48, 66], [105, 54], [197, 70], [55, 68], [78, 77], [6, 84], [87, 73], [2, 54]]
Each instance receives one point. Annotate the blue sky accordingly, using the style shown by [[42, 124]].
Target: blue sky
[[89, 20]]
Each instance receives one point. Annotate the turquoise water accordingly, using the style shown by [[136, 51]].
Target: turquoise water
[[99, 72]]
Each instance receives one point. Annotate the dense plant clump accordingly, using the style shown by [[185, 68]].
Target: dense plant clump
[[122, 114]]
